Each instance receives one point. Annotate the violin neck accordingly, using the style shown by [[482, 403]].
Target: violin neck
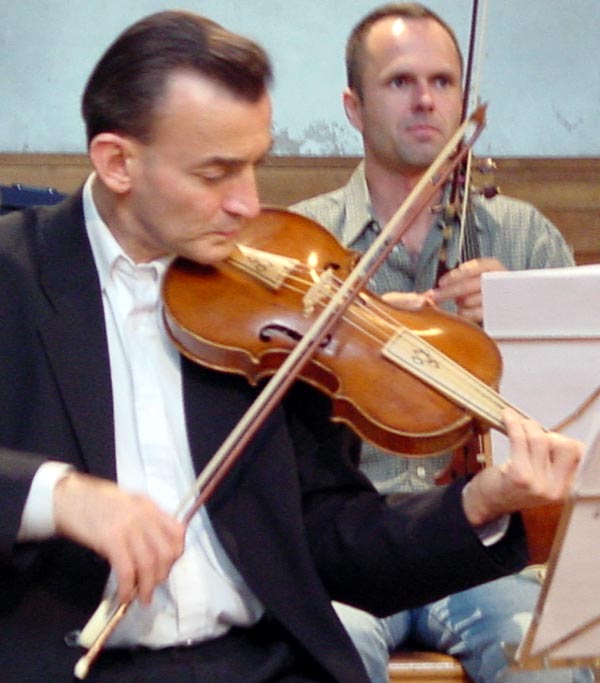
[[412, 353]]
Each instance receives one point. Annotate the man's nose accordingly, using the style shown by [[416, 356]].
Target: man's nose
[[423, 95], [242, 197]]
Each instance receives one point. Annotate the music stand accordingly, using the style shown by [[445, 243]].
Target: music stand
[[565, 629], [547, 326]]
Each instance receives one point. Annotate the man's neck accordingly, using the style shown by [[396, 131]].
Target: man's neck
[[115, 214], [387, 191]]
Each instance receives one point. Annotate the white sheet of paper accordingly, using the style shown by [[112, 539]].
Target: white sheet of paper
[[547, 326]]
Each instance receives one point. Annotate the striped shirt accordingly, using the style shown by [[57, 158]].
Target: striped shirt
[[510, 230]]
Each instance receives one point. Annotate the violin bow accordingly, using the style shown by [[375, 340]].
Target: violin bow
[[105, 619], [456, 209]]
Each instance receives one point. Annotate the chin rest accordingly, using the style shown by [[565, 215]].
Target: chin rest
[[413, 666]]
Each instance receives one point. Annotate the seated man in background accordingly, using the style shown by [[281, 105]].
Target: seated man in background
[[404, 95]]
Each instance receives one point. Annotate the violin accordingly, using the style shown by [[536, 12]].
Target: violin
[[437, 371]]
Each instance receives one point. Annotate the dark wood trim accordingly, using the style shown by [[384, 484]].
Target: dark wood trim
[[567, 190]]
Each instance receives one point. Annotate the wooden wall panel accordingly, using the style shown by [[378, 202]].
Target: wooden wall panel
[[63, 172], [567, 190]]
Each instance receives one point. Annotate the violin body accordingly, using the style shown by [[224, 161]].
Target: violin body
[[230, 320]]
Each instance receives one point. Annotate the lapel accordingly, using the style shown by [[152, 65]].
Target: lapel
[[73, 332], [257, 515]]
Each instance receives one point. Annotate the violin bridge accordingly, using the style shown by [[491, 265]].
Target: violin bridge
[[320, 292], [271, 269]]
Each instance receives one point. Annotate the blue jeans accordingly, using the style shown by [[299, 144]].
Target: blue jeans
[[472, 626]]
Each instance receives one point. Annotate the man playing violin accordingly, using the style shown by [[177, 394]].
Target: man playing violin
[[404, 95], [104, 425]]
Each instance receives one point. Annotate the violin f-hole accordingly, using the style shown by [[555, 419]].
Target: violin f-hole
[[268, 331]]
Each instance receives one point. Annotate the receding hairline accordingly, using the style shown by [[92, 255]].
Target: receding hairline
[[410, 12], [189, 74]]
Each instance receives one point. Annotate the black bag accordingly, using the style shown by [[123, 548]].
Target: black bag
[[19, 196]]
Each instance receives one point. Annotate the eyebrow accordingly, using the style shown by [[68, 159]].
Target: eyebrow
[[408, 70]]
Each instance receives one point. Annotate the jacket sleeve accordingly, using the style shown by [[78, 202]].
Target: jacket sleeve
[[16, 467], [17, 470], [380, 555]]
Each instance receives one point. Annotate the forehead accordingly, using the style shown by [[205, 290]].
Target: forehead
[[411, 44], [195, 110], [188, 92]]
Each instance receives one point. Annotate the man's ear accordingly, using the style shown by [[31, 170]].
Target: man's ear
[[111, 156], [353, 108]]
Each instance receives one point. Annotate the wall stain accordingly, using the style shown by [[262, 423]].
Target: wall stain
[[569, 126], [319, 138]]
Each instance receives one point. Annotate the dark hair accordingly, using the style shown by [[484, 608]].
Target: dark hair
[[355, 47], [126, 85]]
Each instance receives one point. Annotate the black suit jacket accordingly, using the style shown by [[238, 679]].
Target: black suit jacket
[[301, 524]]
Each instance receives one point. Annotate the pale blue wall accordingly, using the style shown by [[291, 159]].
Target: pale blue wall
[[540, 75]]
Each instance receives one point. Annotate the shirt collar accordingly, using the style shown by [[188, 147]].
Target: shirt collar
[[359, 213]]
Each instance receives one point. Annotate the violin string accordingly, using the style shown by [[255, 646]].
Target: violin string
[[474, 394], [468, 247]]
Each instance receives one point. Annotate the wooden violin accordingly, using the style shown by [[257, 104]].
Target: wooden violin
[[411, 382]]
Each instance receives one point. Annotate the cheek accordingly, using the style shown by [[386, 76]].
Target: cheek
[[376, 123], [199, 209], [453, 109], [391, 115], [176, 203], [186, 199]]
